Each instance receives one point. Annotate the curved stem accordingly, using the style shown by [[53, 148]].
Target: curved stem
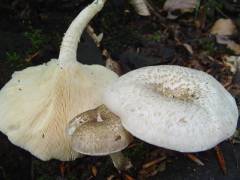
[[68, 50]]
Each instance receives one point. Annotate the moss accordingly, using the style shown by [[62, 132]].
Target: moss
[[213, 8], [15, 60], [207, 44], [37, 39], [13, 57], [156, 36]]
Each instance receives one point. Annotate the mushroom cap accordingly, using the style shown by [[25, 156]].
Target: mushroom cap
[[174, 107], [98, 132], [38, 102]]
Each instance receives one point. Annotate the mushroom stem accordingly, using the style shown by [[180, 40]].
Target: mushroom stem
[[120, 161], [68, 50]]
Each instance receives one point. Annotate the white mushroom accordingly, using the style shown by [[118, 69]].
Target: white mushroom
[[173, 107], [99, 132], [37, 103]]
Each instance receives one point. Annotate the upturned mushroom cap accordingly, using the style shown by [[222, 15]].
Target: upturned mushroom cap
[[173, 107], [38, 102], [98, 132]]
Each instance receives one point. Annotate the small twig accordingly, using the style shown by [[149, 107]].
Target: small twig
[[96, 38], [111, 64], [32, 56], [153, 162], [221, 159], [195, 159]]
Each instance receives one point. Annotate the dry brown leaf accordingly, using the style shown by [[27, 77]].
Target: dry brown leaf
[[140, 7], [183, 5], [224, 27], [235, 47]]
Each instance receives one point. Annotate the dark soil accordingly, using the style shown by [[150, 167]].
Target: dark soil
[[36, 27]]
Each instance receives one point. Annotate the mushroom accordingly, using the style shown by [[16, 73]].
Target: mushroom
[[99, 132], [38, 102], [173, 107]]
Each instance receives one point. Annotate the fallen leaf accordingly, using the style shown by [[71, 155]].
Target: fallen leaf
[[235, 47], [183, 5], [224, 27], [233, 62]]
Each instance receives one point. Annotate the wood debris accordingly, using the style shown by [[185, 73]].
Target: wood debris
[[221, 159]]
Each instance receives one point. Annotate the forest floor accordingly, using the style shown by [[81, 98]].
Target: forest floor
[[31, 33]]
